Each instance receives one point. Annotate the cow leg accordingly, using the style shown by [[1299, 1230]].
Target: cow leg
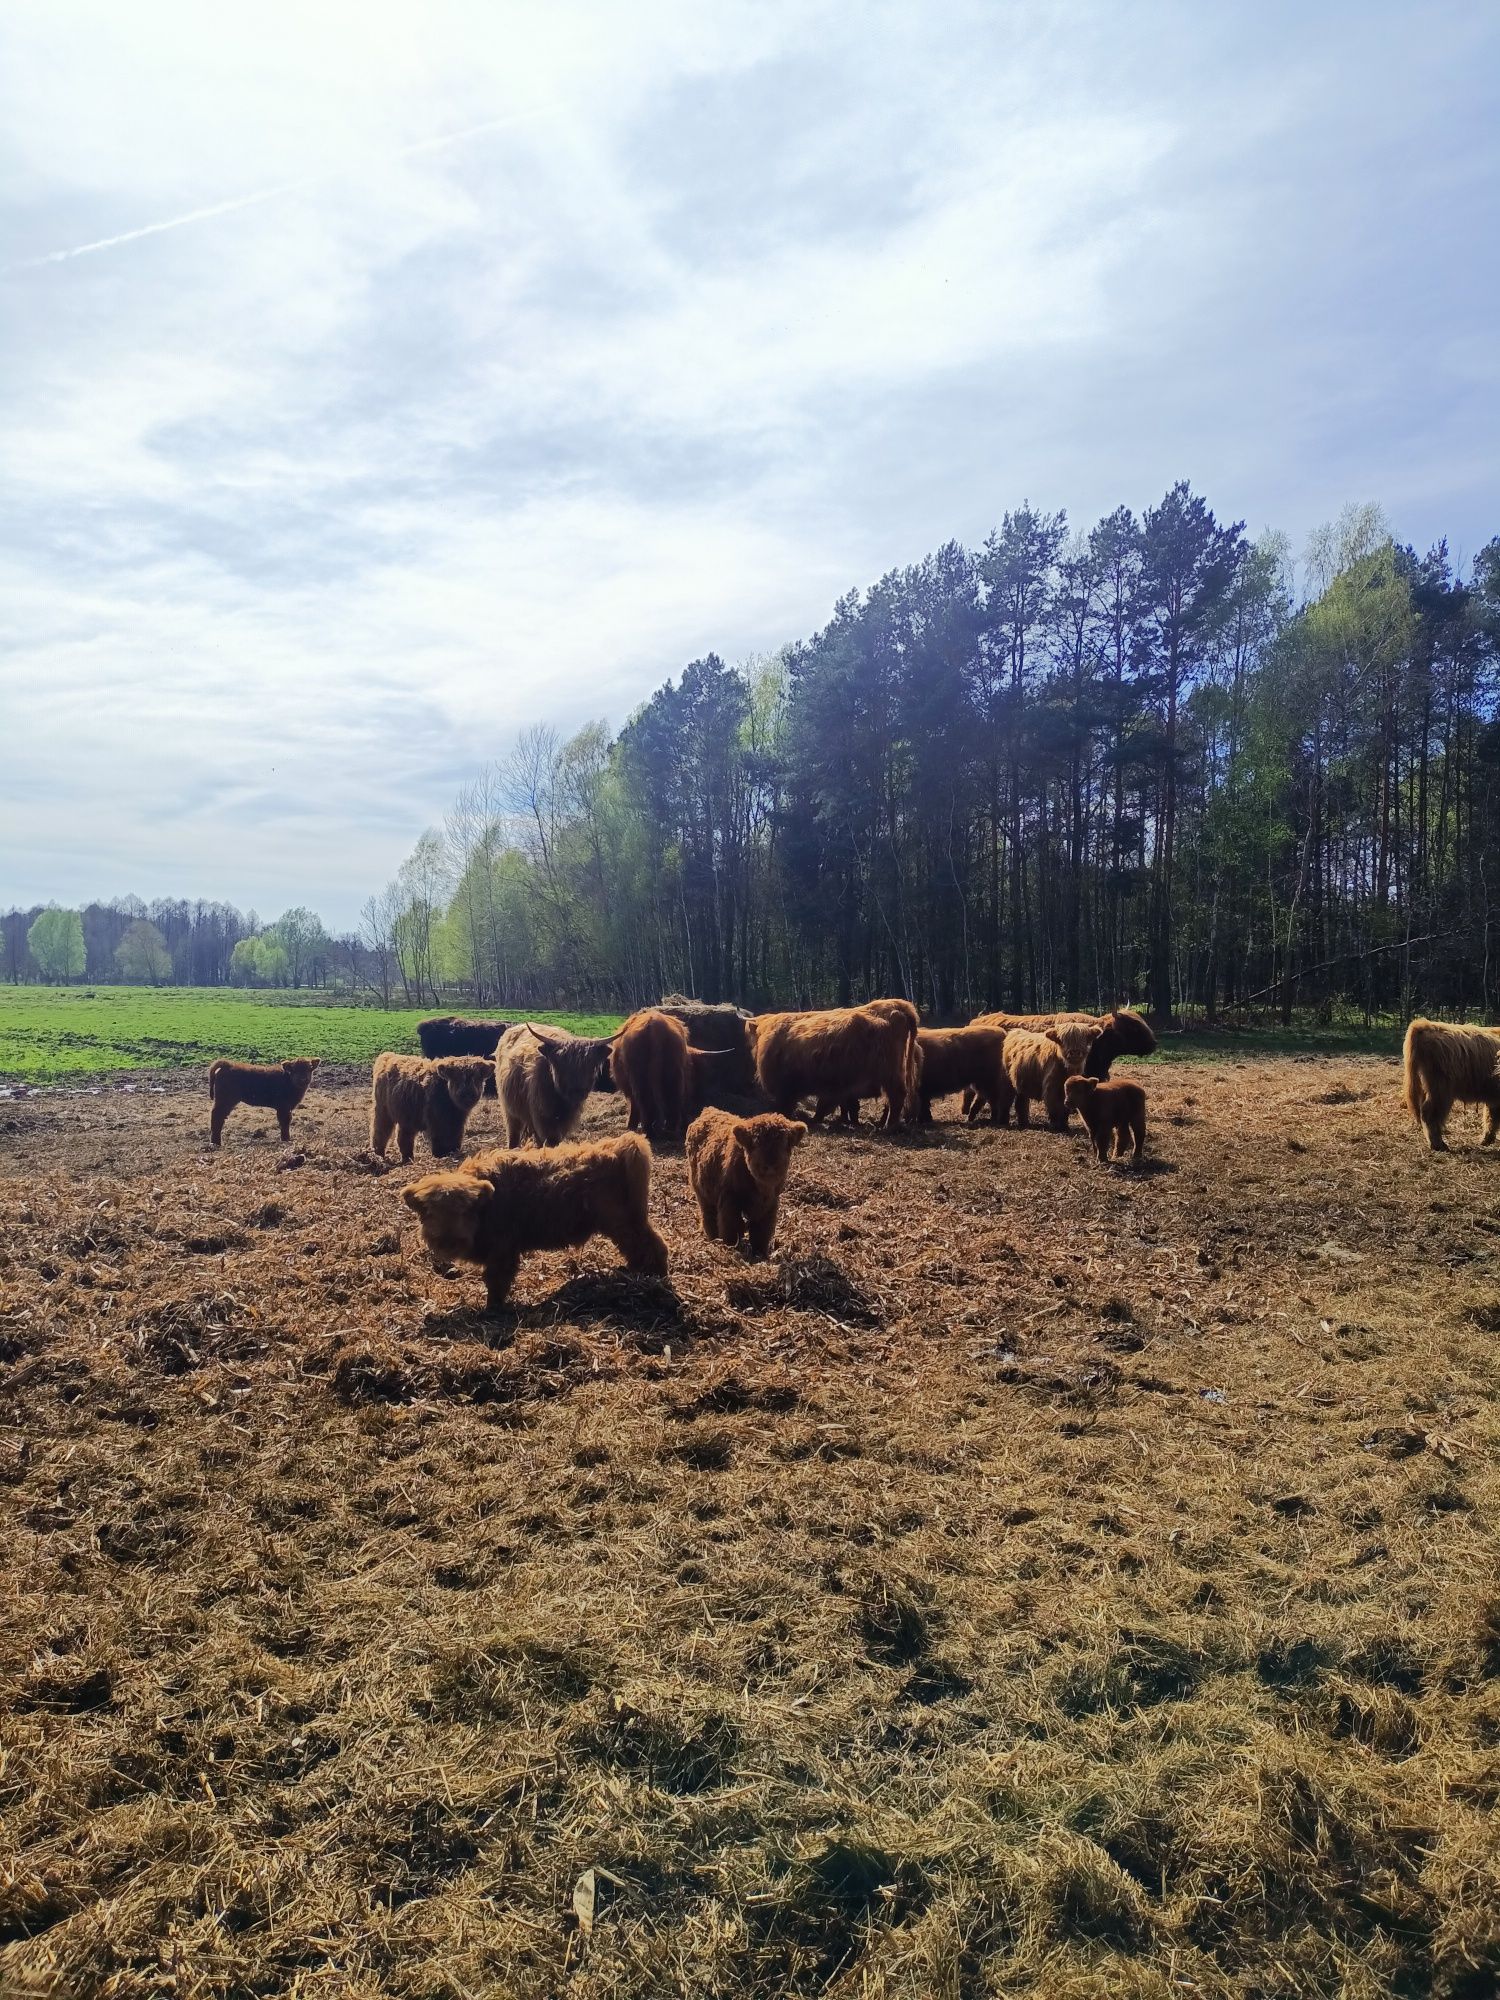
[[500, 1270], [216, 1123], [710, 1218], [1023, 1113], [642, 1248], [406, 1142], [284, 1120], [381, 1126], [731, 1222]]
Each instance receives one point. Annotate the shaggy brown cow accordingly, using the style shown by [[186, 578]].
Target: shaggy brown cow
[[737, 1168], [904, 1013], [278, 1087], [1037, 1067], [1076, 1039], [499, 1205], [968, 1059], [544, 1076], [1445, 1065], [836, 1056], [662, 1078], [1121, 1033], [457, 1035], [412, 1095], [1113, 1112]]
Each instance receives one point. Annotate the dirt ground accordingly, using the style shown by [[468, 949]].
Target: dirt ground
[[1036, 1579]]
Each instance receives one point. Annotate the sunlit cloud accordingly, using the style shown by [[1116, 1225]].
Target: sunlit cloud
[[380, 379]]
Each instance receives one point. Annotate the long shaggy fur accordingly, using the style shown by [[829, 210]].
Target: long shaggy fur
[[1443, 1066], [1121, 1033], [969, 1059], [737, 1168], [410, 1094], [652, 1066], [1076, 1039], [837, 1056], [499, 1205], [1037, 1067], [1112, 1112], [544, 1076], [278, 1087]]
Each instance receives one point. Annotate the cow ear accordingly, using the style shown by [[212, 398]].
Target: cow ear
[[799, 1131], [412, 1196], [744, 1133], [481, 1194]]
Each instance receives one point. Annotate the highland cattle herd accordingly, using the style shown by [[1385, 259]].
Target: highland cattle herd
[[728, 1085]]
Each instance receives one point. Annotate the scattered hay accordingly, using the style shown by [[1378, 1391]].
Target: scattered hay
[[806, 1284], [866, 1631]]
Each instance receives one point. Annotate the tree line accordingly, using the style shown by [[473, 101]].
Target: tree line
[[1134, 763], [1153, 761], [173, 943]]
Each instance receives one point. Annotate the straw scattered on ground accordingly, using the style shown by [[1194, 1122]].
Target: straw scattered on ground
[[1036, 1579]]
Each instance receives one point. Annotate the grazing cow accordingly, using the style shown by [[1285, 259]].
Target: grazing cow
[[837, 1056], [544, 1076], [717, 1029], [968, 1059], [412, 1095], [1113, 1113], [737, 1168], [1037, 1067], [499, 1205], [1445, 1065], [457, 1035], [278, 1087]]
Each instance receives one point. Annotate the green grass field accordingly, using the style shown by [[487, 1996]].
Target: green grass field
[[66, 1034], [59, 1035]]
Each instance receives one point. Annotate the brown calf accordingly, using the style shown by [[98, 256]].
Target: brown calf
[[1112, 1112], [409, 1095], [737, 1168], [278, 1087], [499, 1205]]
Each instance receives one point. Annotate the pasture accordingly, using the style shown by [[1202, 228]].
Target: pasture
[[51, 1034], [1035, 1579]]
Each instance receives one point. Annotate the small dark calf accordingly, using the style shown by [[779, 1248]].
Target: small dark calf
[[278, 1087]]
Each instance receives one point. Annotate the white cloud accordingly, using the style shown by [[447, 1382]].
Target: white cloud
[[397, 439]]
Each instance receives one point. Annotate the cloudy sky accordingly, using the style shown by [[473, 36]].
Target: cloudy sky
[[379, 378]]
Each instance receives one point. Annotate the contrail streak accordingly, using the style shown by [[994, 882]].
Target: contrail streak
[[238, 202]]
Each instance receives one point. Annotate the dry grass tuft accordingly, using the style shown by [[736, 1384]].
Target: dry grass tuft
[[957, 1604]]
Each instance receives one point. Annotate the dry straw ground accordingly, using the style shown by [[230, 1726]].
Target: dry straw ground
[[1037, 1579]]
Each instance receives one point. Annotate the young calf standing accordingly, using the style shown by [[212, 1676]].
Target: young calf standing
[[278, 1087], [737, 1168], [499, 1205], [1113, 1113], [409, 1095]]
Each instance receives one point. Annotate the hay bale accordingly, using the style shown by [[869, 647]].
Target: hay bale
[[718, 1030]]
